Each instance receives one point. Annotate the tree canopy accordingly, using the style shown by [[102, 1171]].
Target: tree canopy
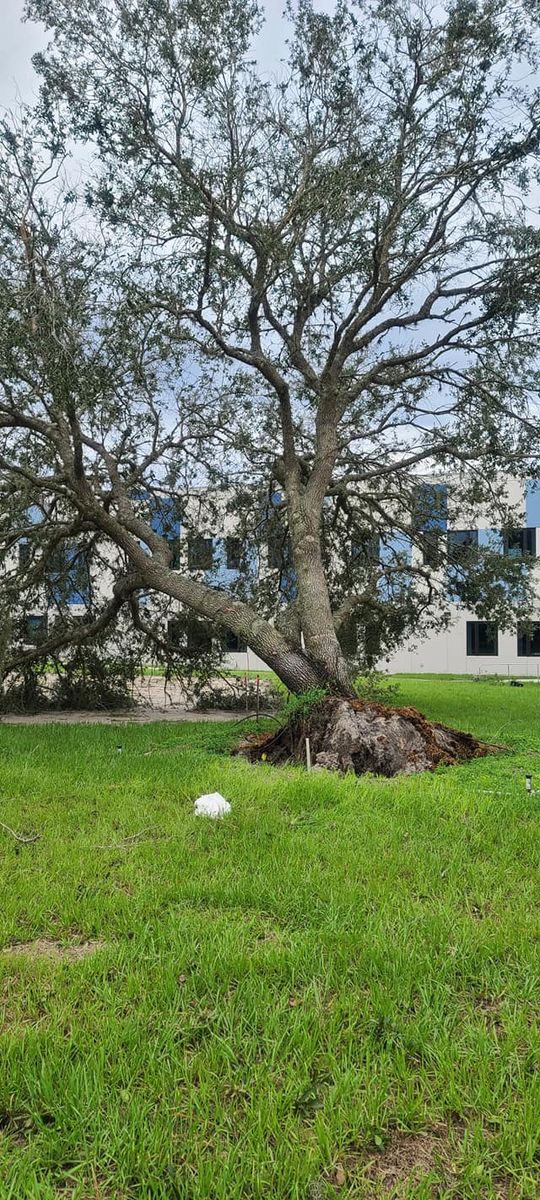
[[303, 289]]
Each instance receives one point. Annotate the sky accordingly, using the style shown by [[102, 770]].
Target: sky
[[19, 41]]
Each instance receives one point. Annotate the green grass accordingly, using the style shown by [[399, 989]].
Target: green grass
[[278, 993]]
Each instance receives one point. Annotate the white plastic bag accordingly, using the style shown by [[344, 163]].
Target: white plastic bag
[[213, 805]]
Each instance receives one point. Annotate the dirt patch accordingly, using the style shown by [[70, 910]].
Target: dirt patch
[[154, 699], [362, 736], [490, 1009], [50, 949], [408, 1158], [15, 1126]]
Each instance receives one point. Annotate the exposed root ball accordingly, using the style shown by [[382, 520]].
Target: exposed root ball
[[360, 736]]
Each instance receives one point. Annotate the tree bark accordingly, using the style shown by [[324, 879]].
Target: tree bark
[[320, 664], [317, 620], [296, 669]]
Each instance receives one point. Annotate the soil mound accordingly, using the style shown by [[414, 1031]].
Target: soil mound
[[361, 735]]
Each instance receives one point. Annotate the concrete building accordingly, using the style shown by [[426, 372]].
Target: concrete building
[[467, 646], [470, 646]]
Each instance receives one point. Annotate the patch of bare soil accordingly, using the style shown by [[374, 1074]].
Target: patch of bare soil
[[50, 949], [407, 1158], [154, 699], [363, 736], [15, 1126], [490, 1009]]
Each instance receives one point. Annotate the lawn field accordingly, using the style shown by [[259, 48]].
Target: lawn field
[[333, 992]]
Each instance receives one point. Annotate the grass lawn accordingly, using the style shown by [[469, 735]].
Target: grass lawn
[[333, 992]]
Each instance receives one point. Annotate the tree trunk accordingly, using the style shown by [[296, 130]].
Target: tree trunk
[[297, 669], [321, 664], [317, 620]]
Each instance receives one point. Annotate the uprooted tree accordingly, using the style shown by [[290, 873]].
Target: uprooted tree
[[300, 292]]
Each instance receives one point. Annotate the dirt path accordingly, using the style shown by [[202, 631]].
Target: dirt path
[[135, 716], [156, 701]]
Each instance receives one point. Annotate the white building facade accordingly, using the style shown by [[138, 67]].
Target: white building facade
[[466, 646], [469, 646]]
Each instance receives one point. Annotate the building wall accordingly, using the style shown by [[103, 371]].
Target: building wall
[[445, 652], [441, 652]]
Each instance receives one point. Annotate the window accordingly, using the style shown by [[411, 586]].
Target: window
[[431, 548], [199, 638], [69, 576], [200, 553], [482, 639], [174, 547], [166, 515], [365, 548], [430, 506], [528, 640], [233, 553], [233, 643], [460, 543], [24, 554], [189, 634], [175, 632], [36, 628], [519, 542], [279, 549]]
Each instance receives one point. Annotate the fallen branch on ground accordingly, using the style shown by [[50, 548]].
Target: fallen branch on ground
[[133, 839], [20, 837]]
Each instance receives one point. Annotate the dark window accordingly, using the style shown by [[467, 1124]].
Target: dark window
[[460, 543], [24, 554], [233, 553], [279, 549], [482, 639], [165, 516], [365, 548], [192, 635], [528, 640], [431, 548], [79, 579], [174, 547], [36, 628], [233, 643], [200, 553], [199, 638], [519, 542], [175, 632]]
